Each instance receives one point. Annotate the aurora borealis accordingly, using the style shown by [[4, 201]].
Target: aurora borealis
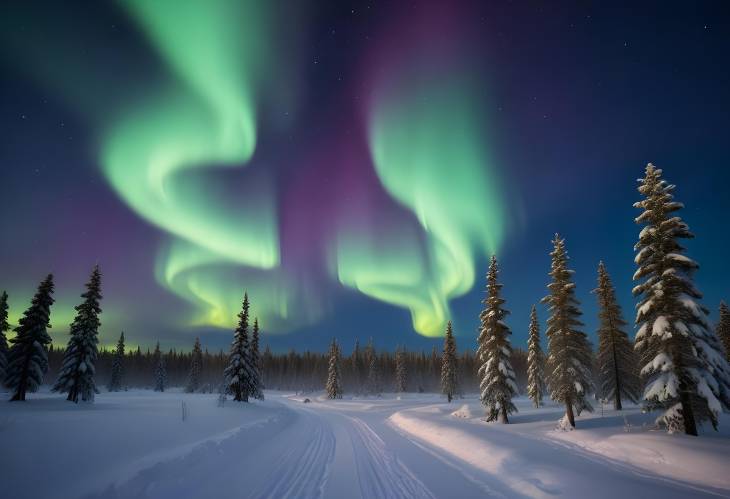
[[352, 166]]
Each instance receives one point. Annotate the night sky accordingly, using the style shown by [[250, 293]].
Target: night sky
[[350, 165]]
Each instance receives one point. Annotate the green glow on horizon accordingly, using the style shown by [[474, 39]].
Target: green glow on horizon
[[215, 287], [62, 313], [427, 141], [206, 118]]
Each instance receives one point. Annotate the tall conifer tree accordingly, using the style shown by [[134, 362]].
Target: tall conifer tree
[[238, 372], [356, 367], [196, 366], [617, 367], [78, 370], [257, 391], [334, 380], [28, 355], [535, 362], [373, 381], [116, 381], [159, 369], [685, 374], [723, 329], [4, 326], [497, 378], [401, 374], [569, 375], [449, 379]]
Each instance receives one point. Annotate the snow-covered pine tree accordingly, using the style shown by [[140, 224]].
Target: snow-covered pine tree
[[257, 390], [401, 374], [196, 366], [449, 380], [569, 376], [684, 371], [4, 326], [357, 368], [535, 362], [160, 370], [28, 354], [78, 369], [116, 381], [616, 360], [723, 329], [496, 376], [373, 380], [238, 372], [334, 380]]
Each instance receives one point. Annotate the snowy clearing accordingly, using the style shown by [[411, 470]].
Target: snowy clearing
[[136, 444]]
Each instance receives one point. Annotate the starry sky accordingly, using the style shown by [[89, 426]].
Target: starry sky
[[351, 165]]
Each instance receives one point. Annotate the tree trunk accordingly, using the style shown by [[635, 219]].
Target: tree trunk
[[617, 401], [504, 414], [569, 412], [690, 426]]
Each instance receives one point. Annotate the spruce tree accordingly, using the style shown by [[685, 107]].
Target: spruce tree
[[723, 329], [535, 362], [617, 372], [433, 363], [569, 375], [116, 382], [373, 380], [334, 381], [238, 372], [401, 374], [449, 380], [28, 355], [684, 372], [356, 365], [257, 390], [196, 366], [496, 376], [159, 369], [78, 369], [4, 326]]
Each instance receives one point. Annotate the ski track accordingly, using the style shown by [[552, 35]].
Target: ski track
[[291, 454], [303, 471], [380, 474]]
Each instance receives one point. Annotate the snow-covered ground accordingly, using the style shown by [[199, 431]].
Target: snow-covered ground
[[136, 444]]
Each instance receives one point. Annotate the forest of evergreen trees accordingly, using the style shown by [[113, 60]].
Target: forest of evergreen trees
[[677, 364], [297, 371]]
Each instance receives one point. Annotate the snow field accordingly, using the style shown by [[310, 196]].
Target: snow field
[[136, 445]]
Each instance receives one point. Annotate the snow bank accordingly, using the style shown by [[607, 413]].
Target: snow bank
[[82, 449], [619, 450]]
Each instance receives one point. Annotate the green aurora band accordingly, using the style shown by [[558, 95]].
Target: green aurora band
[[156, 156], [426, 138], [207, 118], [215, 287]]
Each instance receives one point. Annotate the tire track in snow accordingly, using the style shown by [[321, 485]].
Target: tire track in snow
[[380, 473], [303, 474]]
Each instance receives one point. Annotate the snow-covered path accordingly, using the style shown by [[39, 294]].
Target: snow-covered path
[[137, 446]]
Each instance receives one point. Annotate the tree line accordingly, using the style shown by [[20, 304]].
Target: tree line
[[677, 363]]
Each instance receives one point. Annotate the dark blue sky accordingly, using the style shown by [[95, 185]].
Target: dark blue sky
[[580, 98]]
